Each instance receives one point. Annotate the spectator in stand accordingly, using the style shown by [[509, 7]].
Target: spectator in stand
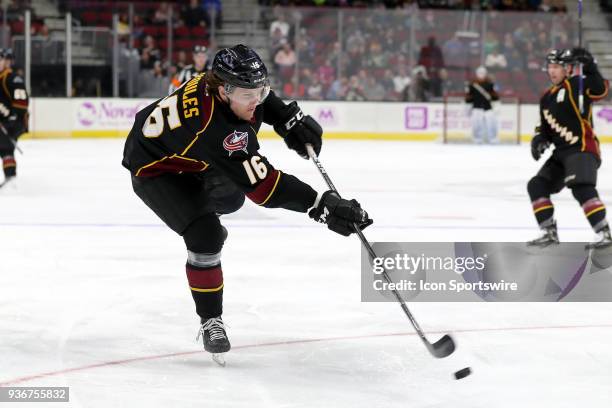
[[123, 27], [153, 83], [161, 14], [194, 15], [496, 60], [149, 54], [213, 8], [376, 57], [420, 85], [354, 91], [315, 89], [285, 60], [401, 83], [514, 56], [181, 60], [533, 60], [276, 38], [280, 24], [326, 73], [431, 58], [387, 83], [338, 89], [456, 53], [490, 43]]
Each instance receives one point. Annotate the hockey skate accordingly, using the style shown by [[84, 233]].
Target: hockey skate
[[605, 240], [550, 237], [215, 339]]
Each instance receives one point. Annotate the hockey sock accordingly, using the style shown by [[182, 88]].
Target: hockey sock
[[593, 208], [206, 286], [543, 209], [9, 165], [204, 239]]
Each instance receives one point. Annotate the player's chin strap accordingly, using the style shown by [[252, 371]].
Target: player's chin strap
[[443, 347]]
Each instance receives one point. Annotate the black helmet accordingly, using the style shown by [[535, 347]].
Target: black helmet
[[240, 66], [197, 49], [7, 53], [561, 57]]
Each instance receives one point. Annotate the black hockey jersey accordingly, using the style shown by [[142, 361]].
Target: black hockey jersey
[[185, 75], [14, 102], [560, 119], [480, 94], [190, 131]]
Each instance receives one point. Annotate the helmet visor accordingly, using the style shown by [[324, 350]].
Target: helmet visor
[[246, 96]]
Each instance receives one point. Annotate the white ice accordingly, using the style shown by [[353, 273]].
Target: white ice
[[93, 293]]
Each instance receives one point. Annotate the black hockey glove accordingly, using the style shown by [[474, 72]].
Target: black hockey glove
[[584, 57], [339, 214], [297, 130], [538, 145]]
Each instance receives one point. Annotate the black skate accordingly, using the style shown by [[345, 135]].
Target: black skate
[[604, 242], [550, 237], [215, 339]]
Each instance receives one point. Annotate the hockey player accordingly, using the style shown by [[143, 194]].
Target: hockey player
[[200, 64], [576, 156], [194, 155], [481, 95], [13, 115]]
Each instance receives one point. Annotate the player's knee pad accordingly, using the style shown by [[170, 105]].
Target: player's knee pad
[[584, 192], [226, 196], [205, 235], [230, 202], [538, 187]]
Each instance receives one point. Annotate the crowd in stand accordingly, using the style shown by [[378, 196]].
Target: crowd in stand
[[523, 5], [373, 59], [379, 54]]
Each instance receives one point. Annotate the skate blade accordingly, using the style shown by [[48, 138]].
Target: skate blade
[[598, 246], [219, 358]]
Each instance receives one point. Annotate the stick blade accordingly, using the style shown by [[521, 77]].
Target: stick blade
[[443, 347]]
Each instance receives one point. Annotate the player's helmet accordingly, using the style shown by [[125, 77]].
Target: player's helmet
[[561, 57], [197, 49], [7, 53], [240, 66]]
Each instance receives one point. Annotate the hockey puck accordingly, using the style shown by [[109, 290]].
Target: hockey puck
[[464, 372]]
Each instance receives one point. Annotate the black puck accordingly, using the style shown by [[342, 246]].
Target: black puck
[[464, 372]]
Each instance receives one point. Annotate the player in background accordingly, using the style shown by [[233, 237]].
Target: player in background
[[194, 155], [200, 64], [13, 115], [481, 94], [576, 156]]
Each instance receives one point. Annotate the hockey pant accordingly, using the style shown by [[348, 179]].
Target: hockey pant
[[484, 125]]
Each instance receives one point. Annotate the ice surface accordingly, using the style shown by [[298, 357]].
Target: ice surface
[[93, 293]]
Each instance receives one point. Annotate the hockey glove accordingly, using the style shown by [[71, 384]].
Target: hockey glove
[[339, 214], [297, 130], [538, 145], [584, 57]]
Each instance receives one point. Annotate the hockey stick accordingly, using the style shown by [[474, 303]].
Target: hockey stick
[[441, 348], [580, 79]]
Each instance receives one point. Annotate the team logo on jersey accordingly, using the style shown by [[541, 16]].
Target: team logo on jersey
[[236, 141]]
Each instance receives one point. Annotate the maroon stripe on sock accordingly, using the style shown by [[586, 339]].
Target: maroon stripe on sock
[[541, 202], [592, 204], [204, 278]]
